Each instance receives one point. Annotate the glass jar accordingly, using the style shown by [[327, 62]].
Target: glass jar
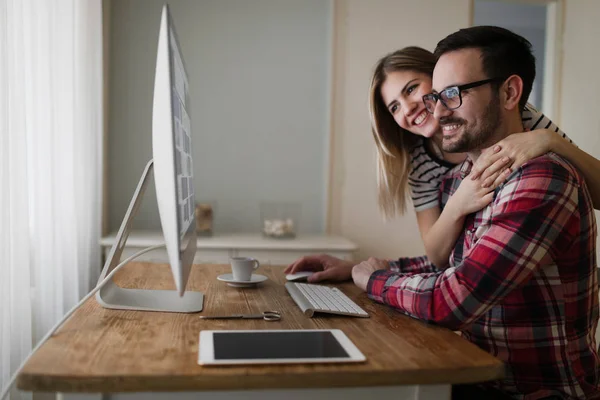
[[279, 219]]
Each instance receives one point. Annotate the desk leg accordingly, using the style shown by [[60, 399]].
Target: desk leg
[[429, 392], [81, 396], [426, 392]]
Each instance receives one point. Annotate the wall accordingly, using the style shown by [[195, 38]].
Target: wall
[[527, 20], [580, 80], [363, 34], [258, 73]]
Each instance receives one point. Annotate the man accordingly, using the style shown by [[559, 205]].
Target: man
[[522, 277]]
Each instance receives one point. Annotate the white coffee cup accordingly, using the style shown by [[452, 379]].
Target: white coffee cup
[[243, 267]]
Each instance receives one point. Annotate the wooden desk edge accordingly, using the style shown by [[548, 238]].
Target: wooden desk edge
[[108, 384]]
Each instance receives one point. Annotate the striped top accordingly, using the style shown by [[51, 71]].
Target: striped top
[[427, 170]]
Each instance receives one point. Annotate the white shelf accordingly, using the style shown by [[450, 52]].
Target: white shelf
[[220, 247]]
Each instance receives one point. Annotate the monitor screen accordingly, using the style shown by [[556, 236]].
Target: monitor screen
[[183, 141]]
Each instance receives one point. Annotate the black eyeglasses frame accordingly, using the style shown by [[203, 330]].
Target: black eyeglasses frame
[[459, 88]]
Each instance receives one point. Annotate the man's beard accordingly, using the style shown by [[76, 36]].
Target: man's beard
[[470, 140]]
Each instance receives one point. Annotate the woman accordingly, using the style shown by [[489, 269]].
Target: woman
[[410, 160]]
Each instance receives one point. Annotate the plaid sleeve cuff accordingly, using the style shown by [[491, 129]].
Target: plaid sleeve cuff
[[378, 282]]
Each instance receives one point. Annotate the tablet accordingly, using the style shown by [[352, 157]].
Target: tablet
[[230, 347]]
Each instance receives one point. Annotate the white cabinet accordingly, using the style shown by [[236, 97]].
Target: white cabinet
[[217, 249]]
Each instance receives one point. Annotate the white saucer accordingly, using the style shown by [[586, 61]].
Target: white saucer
[[255, 279]]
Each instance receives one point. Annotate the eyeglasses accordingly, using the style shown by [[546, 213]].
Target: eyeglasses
[[451, 97]]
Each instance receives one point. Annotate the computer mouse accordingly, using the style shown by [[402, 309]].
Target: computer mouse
[[299, 276]]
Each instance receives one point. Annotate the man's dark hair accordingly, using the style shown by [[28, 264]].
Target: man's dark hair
[[504, 53]]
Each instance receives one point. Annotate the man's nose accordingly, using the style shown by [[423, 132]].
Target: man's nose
[[440, 110]]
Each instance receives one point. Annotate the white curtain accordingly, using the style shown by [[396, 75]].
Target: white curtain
[[50, 166]]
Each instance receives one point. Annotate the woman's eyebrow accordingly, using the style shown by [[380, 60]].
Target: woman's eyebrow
[[407, 84]]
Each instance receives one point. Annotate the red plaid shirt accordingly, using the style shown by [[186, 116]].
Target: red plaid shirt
[[521, 283]]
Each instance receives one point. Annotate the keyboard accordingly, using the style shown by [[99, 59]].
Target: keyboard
[[323, 299]]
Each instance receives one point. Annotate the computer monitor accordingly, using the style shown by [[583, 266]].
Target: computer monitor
[[173, 176], [172, 152]]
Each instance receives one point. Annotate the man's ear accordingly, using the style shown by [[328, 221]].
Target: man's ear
[[512, 91]]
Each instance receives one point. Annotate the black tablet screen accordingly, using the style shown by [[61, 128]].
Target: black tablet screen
[[276, 345]]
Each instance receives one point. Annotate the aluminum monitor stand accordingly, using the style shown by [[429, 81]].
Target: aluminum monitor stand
[[116, 297]]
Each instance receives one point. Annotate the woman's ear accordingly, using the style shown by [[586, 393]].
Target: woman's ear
[[512, 91]]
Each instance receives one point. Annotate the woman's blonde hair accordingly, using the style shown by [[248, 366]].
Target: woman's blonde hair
[[394, 143]]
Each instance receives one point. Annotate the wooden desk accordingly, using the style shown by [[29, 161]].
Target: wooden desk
[[101, 350]]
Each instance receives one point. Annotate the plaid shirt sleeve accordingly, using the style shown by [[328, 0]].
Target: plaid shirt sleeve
[[412, 265], [534, 216]]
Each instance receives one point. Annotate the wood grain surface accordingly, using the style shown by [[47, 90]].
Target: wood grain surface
[[102, 350]]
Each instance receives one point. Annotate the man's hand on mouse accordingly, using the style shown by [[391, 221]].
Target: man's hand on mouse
[[363, 271], [326, 267]]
